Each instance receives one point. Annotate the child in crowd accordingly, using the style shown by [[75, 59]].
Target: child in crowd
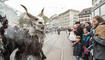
[[86, 43], [77, 48]]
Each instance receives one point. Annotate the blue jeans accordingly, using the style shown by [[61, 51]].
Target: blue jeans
[[77, 58]]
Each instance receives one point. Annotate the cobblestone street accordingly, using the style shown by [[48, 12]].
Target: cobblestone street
[[58, 47]]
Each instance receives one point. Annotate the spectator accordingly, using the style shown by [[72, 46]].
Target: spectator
[[79, 30], [75, 27], [58, 30], [88, 26], [77, 48], [69, 30], [85, 43], [98, 45]]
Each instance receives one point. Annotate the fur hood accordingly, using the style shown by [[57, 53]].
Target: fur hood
[[100, 30]]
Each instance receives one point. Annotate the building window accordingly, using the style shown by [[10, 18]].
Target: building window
[[93, 14], [103, 9], [97, 12]]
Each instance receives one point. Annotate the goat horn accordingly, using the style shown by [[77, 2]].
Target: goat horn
[[42, 12], [31, 16]]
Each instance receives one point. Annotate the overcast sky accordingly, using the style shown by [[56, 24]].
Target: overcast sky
[[51, 6]]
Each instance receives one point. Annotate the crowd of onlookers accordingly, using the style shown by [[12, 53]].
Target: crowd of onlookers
[[89, 39]]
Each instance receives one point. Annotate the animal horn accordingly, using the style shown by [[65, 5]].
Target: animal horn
[[31, 16], [24, 8], [42, 12]]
